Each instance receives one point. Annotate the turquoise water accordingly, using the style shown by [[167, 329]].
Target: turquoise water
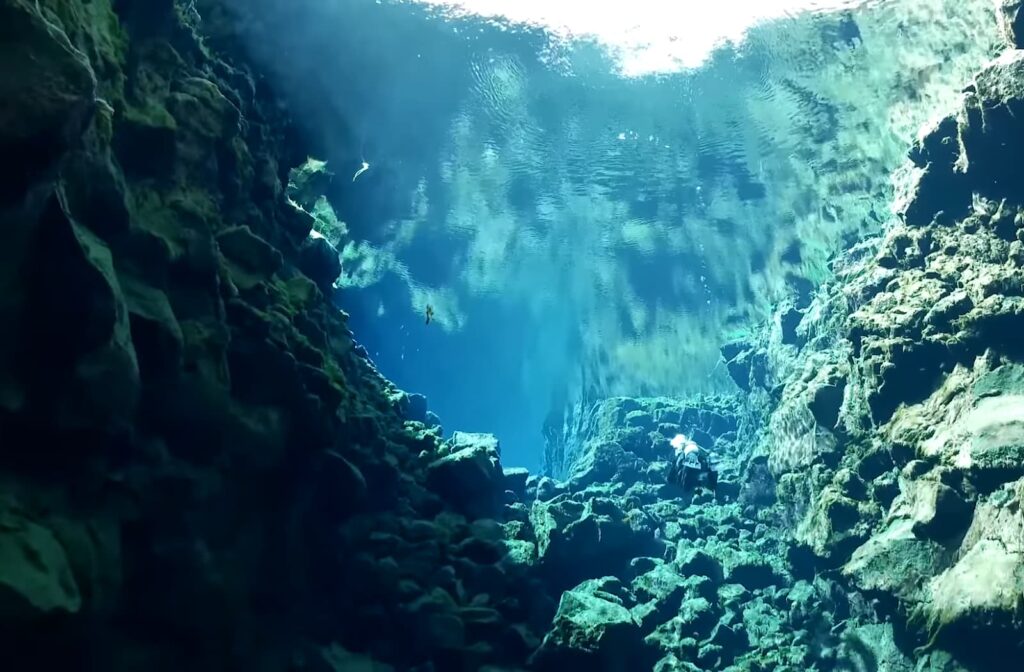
[[578, 230]]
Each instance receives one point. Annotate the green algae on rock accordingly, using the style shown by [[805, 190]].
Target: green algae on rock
[[194, 441], [925, 435]]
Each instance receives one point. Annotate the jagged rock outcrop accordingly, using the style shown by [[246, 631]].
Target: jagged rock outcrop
[[654, 579], [1011, 21], [593, 628], [468, 473], [894, 423], [200, 469]]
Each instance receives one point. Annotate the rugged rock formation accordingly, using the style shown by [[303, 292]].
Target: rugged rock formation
[[895, 413], [200, 469], [685, 584]]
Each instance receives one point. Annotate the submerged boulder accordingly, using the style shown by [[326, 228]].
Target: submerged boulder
[[604, 462], [592, 630], [596, 537], [36, 579], [897, 562], [976, 607], [515, 481], [469, 475], [660, 593]]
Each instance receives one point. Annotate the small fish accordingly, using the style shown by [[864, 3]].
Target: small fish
[[362, 170], [429, 314]]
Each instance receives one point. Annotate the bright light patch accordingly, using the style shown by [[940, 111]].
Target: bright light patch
[[648, 36]]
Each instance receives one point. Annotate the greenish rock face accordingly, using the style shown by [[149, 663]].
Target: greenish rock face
[[47, 83], [659, 594], [923, 447], [763, 624], [469, 473], [660, 584], [871, 647], [981, 595], [1011, 21], [592, 627], [601, 463], [982, 431], [683, 632], [36, 579], [897, 561], [521, 553]]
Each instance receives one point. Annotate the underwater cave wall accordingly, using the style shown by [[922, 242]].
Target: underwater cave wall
[[199, 467], [894, 400]]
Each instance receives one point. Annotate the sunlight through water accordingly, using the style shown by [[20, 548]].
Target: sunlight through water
[[646, 36]]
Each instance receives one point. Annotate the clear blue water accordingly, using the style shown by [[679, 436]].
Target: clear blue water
[[576, 231]]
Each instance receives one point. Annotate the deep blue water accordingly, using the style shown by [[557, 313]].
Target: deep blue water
[[576, 231], [567, 219]]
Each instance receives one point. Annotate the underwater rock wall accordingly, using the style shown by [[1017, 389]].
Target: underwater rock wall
[[199, 468], [631, 422], [647, 577], [894, 402]]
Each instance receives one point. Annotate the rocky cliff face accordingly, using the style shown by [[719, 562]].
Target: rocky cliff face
[[200, 468], [894, 402]]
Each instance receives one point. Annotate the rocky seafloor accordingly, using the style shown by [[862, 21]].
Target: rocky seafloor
[[202, 470]]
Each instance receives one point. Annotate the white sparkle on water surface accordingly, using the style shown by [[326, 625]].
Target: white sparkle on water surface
[[649, 35]]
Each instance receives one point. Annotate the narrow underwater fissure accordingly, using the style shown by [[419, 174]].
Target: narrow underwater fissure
[[202, 468]]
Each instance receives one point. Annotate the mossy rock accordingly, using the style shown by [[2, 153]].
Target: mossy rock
[[156, 334], [145, 139], [895, 561], [94, 28], [251, 259], [593, 630], [198, 106], [48, 88], [35, 576], [308, 183], [980, 598]]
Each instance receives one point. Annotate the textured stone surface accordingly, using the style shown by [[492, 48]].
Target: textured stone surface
[[897, 478], [35, 575], [469, 474], [1011, 21], [592, 628], [200, 469]]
